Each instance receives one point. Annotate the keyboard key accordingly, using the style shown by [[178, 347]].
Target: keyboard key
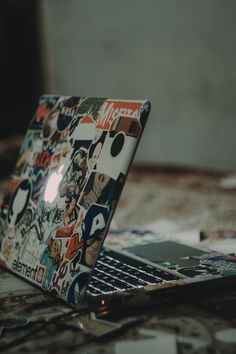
[[133, 281], [93, 291], [147, 278], [111, 275]]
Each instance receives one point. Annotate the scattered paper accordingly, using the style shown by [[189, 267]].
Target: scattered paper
[[164, 343], [228, 182]]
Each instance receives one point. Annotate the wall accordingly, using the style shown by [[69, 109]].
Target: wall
[[21, 72], [179, 54]]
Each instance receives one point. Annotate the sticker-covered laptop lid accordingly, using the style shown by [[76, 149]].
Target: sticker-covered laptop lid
[[68, 178]]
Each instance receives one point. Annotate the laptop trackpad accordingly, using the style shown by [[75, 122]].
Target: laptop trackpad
[[167, 251]]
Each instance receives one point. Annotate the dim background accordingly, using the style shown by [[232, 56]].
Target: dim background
[[179, 54]]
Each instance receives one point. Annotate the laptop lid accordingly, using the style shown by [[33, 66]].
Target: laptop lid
[[68, 178]]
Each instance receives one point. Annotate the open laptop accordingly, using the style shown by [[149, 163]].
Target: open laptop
[[58, 205]]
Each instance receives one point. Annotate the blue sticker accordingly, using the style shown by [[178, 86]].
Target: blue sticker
[[94, 225], [67, 113], [78, 288]]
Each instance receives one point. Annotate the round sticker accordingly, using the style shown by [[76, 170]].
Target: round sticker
[[117, 144]]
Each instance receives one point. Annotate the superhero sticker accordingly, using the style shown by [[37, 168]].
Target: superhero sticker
[[67, 181]]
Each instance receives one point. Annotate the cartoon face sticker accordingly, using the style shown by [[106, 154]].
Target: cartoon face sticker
[[92, 250], [40, 274], [55, 249], [94, 225], [96, 148], [75, 173], [51, 260], [80, 159], [19, 202], [98, 183]]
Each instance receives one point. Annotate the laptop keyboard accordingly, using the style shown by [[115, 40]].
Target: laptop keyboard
[[115, 273]]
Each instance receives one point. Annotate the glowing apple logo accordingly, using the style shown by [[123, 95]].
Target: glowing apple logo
[[52, 185]]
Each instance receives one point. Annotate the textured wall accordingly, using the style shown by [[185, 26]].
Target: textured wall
[[179, 54]]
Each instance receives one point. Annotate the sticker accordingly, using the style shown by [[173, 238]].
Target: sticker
[[111, 110], [95, 148], [40, 274], [96, 189], [91, 106], [95, 223], [73, 245], [51, 259], [59, 281], [67, 113], [78, 288], [74, 177], [19, 202], [128, 125], [45, 105], [9, 191], [117, 144], [115, 155]]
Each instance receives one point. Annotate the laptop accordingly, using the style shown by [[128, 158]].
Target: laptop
[[59, 202]]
